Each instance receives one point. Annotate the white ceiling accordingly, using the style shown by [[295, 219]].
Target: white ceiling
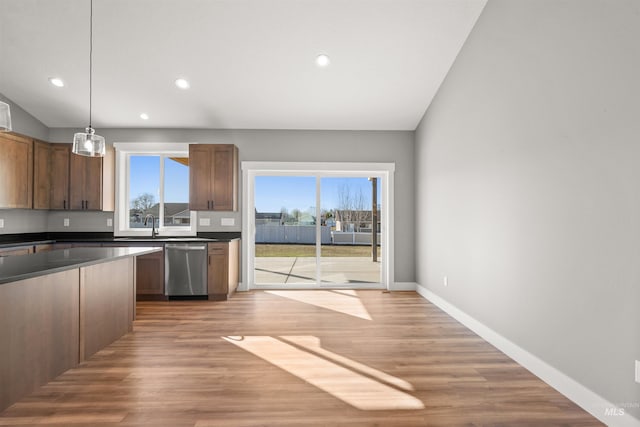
[[250, 62]]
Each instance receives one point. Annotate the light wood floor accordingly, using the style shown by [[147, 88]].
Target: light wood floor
[[274, 359]]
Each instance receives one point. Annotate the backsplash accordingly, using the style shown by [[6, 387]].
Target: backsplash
[[14, 221], [219, 221], [60, 221]]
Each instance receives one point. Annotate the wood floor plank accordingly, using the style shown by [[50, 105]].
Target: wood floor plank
[[273, 359]]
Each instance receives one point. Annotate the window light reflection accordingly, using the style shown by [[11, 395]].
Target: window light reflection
[[354, 388], [340, 302]]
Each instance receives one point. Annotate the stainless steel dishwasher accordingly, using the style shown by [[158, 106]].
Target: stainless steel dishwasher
[[185, 269]]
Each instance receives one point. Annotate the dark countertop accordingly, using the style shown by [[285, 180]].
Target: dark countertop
[[14, 268], [29, 239]]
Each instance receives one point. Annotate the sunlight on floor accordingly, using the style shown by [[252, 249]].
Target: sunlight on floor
[[331, 300], [355, 388]]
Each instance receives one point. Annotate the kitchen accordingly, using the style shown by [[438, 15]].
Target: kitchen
[[469, 100]]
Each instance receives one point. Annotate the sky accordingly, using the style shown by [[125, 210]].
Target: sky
[[145, 178], [272, 193]]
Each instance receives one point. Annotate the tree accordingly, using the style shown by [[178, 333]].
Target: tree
[[143, 202]]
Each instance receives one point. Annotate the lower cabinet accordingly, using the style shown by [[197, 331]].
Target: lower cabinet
[[150, 276], [25, 250], [223, 269], [53, 322]]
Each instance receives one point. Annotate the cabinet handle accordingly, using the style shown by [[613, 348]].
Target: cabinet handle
[[86, 204], [64, 204], [209, 259]]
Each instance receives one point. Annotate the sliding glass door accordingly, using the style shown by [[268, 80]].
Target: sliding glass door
[[320, 229], [285, 225], [350, 248]]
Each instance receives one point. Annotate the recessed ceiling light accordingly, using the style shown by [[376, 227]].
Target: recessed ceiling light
[[57, 82], [144, 116], [182, 84], [322, 60]]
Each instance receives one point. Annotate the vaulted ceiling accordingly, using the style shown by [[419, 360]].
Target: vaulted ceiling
[[250, 63]]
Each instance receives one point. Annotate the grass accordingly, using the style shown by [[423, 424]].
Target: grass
[[272, 250]]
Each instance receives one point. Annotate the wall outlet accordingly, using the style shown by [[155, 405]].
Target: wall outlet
[[65, 222], [1, 223], [227, 222], [638, 371], [109, 222], [205, 222], [445, 281]]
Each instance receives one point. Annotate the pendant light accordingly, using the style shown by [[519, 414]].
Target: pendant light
[[88, 143], [5, 117]]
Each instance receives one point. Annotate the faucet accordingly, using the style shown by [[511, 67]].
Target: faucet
[[154, 233]]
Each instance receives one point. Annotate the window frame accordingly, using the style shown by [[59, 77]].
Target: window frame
[[121, 215]]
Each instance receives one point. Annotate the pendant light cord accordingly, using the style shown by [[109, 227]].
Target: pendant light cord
[[90, 59]]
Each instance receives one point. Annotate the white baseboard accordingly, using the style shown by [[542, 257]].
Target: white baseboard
[[403, 286], [579, 394]]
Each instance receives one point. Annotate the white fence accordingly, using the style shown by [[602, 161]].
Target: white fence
[[306, 234]]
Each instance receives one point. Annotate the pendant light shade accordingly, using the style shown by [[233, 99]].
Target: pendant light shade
[[5, 117], [88, 143]]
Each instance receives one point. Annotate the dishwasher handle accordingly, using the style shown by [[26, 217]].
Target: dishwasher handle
[[186, 248]]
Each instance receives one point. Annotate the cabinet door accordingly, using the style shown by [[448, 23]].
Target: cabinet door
[[150, 274], [224, 179], [218, 271], [41, 175], [85, 182], [213, 177], [16, 171], [200, 177], [59, 176], [16, 251]]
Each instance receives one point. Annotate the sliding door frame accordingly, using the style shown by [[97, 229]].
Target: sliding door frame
[[330, 169]]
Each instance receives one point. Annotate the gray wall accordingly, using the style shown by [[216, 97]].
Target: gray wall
[[24, 123], [528, 186], [304, 146]]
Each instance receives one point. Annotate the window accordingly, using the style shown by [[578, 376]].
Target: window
[[153, 184]]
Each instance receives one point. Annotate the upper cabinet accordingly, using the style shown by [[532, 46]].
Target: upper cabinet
[[213, 177], [41, 175], [16, 171], [85, 182], [80, 182], [60, 154]]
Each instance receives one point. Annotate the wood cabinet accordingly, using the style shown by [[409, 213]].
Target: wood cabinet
[[59, 164], [21, 250], [223, 269], [44, 247], [16, 171], [41, 175], [150, 276], [85, 183], [76, 181], [213, 177]]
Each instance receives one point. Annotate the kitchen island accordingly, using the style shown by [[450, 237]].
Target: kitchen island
[[58, 308]]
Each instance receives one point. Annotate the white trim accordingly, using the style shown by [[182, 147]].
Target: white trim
[[252, 169], [123, 150], [576, 392], [403, 286]]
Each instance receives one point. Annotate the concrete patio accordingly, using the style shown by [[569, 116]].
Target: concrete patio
[[302, 270]]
